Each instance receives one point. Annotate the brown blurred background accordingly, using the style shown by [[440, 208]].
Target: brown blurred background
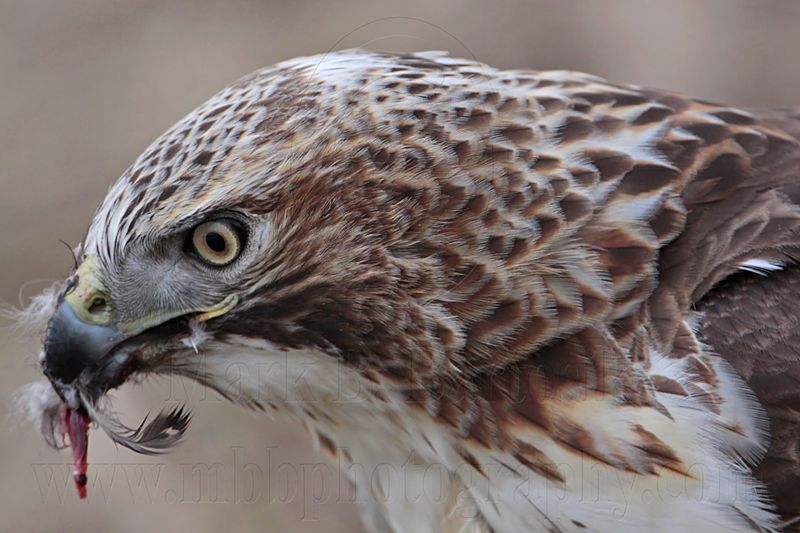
[[85, 85]]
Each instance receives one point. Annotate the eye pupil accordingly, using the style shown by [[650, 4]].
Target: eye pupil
[[215, 242]]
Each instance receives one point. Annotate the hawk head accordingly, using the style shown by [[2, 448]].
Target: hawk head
[[286, 215]]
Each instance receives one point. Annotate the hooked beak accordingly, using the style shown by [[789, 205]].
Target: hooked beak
[[72, 346], [87, 351], [80, 334]]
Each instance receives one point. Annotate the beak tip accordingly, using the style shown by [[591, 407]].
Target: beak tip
[[72, 345]]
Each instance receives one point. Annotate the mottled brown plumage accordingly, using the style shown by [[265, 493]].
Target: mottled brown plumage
[[535, 271]]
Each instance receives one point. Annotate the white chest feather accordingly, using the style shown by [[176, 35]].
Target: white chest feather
[[412, 473]]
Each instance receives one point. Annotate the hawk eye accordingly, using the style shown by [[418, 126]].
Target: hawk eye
[[217, 242]]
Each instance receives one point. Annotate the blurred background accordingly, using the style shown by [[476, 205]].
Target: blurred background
[[85, 85]]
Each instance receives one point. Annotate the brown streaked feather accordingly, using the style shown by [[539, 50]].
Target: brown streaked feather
[[518, 253]]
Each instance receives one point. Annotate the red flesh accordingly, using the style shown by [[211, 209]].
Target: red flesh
[[76, 425]]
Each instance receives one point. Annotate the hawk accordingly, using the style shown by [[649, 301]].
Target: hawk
[[515, 300]]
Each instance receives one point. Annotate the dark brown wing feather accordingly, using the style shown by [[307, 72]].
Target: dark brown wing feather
[[754, 322]]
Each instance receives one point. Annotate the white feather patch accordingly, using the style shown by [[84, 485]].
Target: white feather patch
[[197, 336], [33, 399], [33, 318], [762, 267]]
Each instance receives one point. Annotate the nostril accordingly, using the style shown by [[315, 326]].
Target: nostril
[[98, 305]]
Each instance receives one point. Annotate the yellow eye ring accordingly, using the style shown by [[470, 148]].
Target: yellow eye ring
[[217, 242]]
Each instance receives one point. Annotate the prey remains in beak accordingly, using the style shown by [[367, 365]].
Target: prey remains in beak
[[87, 353]]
